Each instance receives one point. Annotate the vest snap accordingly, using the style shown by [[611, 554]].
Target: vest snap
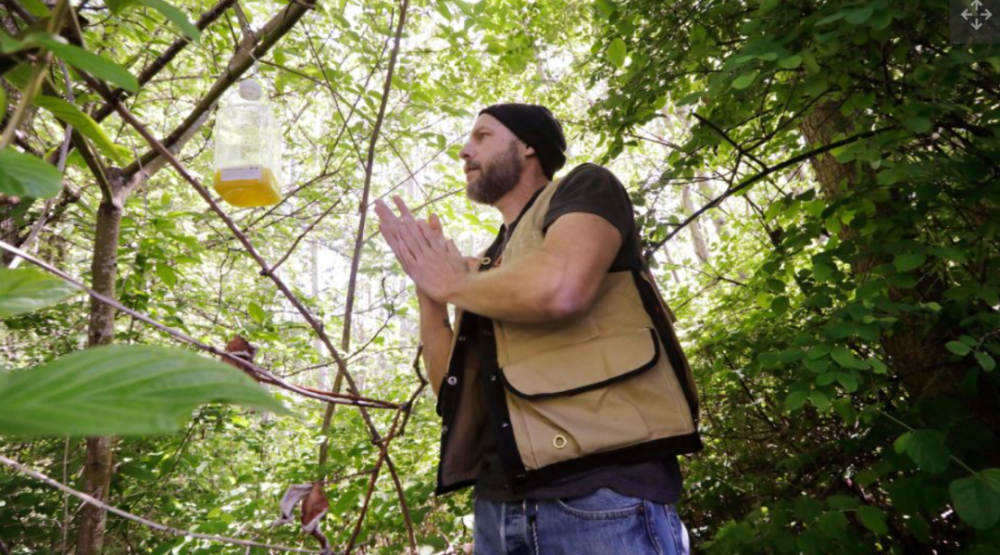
[[559, 442], [486, 260], [452, 380], [461, 338]]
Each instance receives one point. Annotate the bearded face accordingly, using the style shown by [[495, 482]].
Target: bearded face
[[496, 178]]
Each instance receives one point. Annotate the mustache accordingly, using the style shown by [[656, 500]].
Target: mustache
[[469, 167]]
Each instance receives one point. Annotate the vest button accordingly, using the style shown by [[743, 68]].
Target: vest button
[[452, 380], [521, 478], [493, 377], [486, 260], [461, 338], [444, 430], [504, 425]]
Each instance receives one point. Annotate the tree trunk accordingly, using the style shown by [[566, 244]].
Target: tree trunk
[[104, 272], [697, 235], [915, 352]]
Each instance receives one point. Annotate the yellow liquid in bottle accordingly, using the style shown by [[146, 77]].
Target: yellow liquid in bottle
[[251, 192]]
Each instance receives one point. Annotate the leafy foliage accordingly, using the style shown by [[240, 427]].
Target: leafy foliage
[[840, 306], [118, 389]]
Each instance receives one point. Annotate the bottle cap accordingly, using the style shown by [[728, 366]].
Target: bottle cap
[[250, 90]]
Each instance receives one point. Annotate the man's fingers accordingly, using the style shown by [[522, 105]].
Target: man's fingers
[[404, 211], [384, 213], [435, 224], [400, 250]]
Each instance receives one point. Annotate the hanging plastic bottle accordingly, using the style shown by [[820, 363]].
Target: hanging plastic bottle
[[247, 149]]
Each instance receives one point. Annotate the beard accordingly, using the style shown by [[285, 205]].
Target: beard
[[496, 179]]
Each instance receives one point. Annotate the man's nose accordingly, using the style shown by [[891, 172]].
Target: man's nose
[[466, 152]]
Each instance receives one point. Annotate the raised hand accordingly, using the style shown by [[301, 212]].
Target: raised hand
[[433, 262]]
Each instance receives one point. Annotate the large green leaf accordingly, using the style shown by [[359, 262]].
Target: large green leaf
[[175, 16], [617, 51], [873, 519], [98, 66], [23, 175], [26, 290], [121, 389], [83, 123], [975, 502], [928, 449]]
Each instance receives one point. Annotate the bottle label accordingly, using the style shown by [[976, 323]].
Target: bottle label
[[240, 173]]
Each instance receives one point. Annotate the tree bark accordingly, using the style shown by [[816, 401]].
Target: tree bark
[[697, 235], [915, 352], [98, 467]]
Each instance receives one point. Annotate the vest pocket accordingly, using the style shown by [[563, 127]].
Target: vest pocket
[[590, 397], [583, 367]]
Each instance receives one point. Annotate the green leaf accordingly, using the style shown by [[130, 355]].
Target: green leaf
[[795, 400], [256, 312], [175, 16], [98, 66], [848, 381], [819, 351], [118, 6], [3, 101], [744, 81], [790, 62], [36, 7], [844, 357], [23, 175], [958, 348], [819, 400], [832, 524], [831, 18], [767, 6], [901, 442], [975, 502], [81, 122], [986, 361], [928, 449], [121, 389], [992, 478], [909, 261], [918, 124], [617, 51], [27, 289], [873, 519], [167, 274], [857, 17]]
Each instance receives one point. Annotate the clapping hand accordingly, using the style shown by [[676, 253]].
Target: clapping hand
[[433, 262]]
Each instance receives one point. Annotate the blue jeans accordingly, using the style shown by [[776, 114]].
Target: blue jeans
[[602, 523]]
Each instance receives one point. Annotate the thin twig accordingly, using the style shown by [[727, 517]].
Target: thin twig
[[762, 175], [140, 520], [264, 374], [302, 235]]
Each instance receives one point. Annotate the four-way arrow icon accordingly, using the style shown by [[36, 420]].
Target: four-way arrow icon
[[966, 14]]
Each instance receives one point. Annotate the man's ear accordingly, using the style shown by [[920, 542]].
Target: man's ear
[[529, 150]]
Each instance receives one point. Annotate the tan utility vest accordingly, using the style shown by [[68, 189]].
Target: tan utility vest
[[609, 386]]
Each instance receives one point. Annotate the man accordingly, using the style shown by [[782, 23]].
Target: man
[[564, 393]]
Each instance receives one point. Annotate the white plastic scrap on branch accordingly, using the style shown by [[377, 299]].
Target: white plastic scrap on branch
[[314, 508]]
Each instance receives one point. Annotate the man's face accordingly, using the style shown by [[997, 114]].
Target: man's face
[[494, 161]]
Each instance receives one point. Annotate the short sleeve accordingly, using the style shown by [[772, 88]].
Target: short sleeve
[[593, 189]]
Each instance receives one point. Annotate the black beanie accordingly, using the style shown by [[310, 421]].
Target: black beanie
[[538, 128]]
